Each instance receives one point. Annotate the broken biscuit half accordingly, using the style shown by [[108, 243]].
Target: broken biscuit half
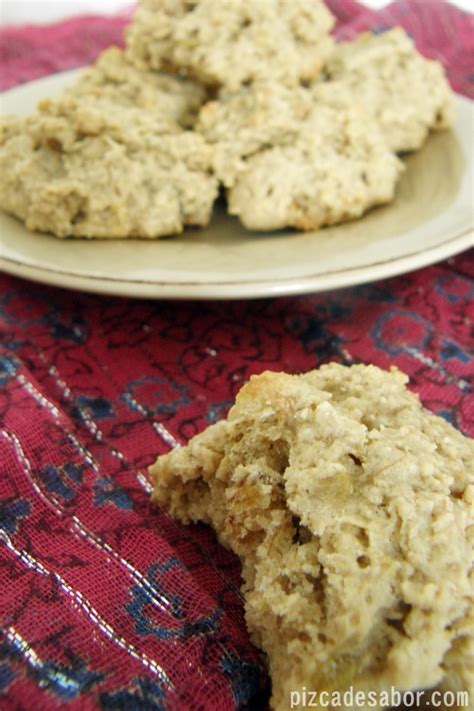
[[351, 508]]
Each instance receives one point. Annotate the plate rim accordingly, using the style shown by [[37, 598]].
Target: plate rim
[[229, 288], [291, 286]]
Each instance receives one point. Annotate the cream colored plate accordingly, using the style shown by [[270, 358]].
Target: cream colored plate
[[430, 220]]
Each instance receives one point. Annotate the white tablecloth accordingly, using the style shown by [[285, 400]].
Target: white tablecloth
[[39, 11], [18, 12]]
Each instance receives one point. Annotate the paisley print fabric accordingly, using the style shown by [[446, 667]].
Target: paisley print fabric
[[105, 603]]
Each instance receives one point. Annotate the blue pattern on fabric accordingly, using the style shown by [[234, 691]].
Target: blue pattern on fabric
[[395, 344], [107, 491], [217, 411], [448, 416], [37, 311], [55, 483], [74, 472], [66, 681], [451, 350], [159, 391], [6, 676], [11, 512], [374, 292], [70, 332], [8, 369], [100, 408], [144, 695], [314, 335], [244, 677], [144, 596]]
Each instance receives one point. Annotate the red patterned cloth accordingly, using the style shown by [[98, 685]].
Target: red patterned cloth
[[104, 603]]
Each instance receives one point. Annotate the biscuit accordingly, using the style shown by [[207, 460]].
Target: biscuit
[[351, 508], [290, 161], [232, 42], [240, 124], [407, 93], [113, 78], [86, 168]]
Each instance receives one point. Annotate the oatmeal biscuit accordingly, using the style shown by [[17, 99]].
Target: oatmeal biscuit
[[290, 161], [351, 508], [407, 94], [97, 169], [232, 42], [241, 124], [114, 79]]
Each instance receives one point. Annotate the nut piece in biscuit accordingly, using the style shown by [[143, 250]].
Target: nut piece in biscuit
[[351, 508], [233, 42]]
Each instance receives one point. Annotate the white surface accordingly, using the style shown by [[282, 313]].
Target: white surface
[[43, 11], [17, 12], [430, 220]]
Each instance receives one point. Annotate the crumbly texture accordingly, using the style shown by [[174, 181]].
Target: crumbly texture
[[241, 124], [407, 94], [86, 168], [351, 508], [290, 161], [114, 79], [232, 42]]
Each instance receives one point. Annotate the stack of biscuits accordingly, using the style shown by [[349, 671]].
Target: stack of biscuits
[[252, 97]]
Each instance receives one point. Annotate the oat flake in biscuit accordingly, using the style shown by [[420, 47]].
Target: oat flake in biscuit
[[290, 161], [233, 42], [407, 93], [87, 168], [351, 508]]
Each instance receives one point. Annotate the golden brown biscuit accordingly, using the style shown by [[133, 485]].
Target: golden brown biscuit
[[351, 508]]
